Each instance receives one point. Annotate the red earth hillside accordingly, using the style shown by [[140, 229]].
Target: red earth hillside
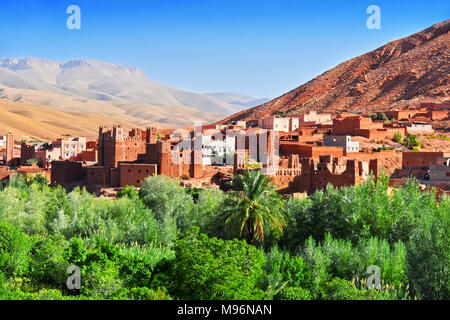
[[409, 69]]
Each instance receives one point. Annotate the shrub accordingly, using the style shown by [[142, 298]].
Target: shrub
[[14, 250], [428, 255], [148, 294], [293, 293], [170, 204], [340, 289], [398, 137], [283, 269], [211, 268], [48, 264], [410, 141]]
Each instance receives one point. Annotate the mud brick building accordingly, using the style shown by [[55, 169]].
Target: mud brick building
[[5, 173], [365, 127], [127, 159], [32, 170], [421, 160], [428, 167], [311, 151], [303, 174], [312, 118], [399, 114], [67, 172], [27, 152]]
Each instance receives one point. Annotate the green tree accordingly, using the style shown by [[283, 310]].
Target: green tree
[[254, 204], [171, 205], [428, 255], [216, 269], [14, 250], [48, 263]]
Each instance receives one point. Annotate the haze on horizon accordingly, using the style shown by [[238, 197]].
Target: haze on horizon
[[258, 48]]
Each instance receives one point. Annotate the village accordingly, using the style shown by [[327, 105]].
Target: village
[[300, 153]]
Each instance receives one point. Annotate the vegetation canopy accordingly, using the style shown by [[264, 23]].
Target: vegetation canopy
[[167, 242]]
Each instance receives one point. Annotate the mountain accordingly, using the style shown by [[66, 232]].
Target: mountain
[[81, 84], [401, 72], [32, 122], [238, 100]]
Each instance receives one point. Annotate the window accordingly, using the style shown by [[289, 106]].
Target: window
[[73, 154], [67, 154]]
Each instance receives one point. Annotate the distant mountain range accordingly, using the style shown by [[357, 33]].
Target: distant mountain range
[[405, 71], [110, 89], [238, 100]]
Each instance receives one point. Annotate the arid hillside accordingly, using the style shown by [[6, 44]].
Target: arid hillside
[[44, 123], [401, 72]]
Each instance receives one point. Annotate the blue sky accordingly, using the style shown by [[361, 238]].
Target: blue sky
[[256, 47]]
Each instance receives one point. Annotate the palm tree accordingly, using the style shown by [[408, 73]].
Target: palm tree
[[253, 204]]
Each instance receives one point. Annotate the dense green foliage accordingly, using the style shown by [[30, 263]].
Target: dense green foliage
[[167, 242]]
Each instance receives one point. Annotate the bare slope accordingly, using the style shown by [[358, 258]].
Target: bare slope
[[411, 68], [44, 123]]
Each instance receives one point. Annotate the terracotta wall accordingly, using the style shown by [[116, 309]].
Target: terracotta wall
[[134, 174]]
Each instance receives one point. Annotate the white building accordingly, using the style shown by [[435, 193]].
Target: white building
[[341, 141], [279, 124], [419, 127], [215, 151]]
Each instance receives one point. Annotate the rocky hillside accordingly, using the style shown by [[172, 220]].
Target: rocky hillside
[[403, 71]]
